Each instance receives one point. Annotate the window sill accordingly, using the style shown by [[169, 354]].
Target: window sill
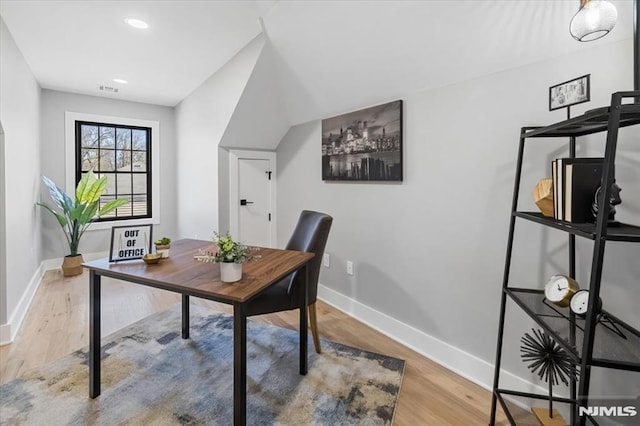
[[100, 226]]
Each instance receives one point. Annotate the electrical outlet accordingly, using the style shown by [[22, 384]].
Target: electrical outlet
[[349, 267], [326, 260]]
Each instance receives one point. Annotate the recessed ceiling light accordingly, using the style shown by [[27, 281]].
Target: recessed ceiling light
[[137, 23], [120, 80]]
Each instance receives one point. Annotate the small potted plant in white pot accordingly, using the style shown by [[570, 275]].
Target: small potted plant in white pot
[[230, 255], [162, 246], [77, 215]]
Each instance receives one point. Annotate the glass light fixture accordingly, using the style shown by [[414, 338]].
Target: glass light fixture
[[594, 20]]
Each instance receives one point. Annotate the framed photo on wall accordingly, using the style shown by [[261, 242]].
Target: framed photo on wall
[[570, 92], [363, 145]]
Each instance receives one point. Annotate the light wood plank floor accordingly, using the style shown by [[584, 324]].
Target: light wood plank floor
[[57, 324]]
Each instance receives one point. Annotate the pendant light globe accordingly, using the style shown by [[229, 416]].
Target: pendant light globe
[[595, 19]]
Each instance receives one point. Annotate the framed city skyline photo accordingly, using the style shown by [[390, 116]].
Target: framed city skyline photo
[[570, 92], [363, 145]]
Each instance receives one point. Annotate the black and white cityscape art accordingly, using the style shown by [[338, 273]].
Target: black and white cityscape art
[[364, 145]]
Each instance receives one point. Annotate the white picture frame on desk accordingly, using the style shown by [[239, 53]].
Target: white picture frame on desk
[[130, 242]]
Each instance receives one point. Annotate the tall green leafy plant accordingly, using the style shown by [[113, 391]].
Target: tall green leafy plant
[[77, 215]]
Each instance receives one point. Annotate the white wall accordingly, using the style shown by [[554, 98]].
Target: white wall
[[20, 118], [429, 252], [54, 106], [3, 235], [259, 122], [201, 120], [260, 119], [224, 214]]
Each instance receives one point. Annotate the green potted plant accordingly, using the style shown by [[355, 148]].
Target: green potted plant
[[77, 215], [162, 246], [230, 255]]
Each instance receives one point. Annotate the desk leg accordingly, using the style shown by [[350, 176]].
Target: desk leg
[[94, 334], [239, 364], [185, 316], [303, 322]]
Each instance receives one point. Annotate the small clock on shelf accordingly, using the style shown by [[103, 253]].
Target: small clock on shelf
[[580, 303], [560, 289]]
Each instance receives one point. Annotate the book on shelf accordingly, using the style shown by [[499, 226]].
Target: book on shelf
[[581, 182], [558, 166], [575, 181], [554, 178]]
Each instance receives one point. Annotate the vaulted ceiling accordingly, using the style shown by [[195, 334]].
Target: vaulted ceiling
[[325, 51], [77, 46]]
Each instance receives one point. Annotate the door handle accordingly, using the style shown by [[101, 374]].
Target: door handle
[[245, 202]]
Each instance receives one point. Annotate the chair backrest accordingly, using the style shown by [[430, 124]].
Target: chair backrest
[[310, 235]]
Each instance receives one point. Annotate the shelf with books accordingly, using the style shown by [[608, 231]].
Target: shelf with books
[[615, 232], [598, 339], [613, 347]]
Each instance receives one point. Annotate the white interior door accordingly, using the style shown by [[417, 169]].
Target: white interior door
[[252, 198], [254, 188]]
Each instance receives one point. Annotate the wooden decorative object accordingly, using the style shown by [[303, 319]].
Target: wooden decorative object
[[543, 196], [542, 415]]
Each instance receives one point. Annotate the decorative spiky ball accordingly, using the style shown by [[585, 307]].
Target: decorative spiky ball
[[546, 358]]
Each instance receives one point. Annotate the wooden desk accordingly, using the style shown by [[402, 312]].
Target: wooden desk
[[181, 273]]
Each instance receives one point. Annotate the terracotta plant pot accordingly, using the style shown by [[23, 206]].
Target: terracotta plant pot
[[72, 265]]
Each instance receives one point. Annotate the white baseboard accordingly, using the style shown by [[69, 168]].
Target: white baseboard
[[5, 334], [9, 330], [52, 264], [460, 362]]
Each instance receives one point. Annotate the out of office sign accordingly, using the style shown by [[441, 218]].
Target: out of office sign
[[129, 242]]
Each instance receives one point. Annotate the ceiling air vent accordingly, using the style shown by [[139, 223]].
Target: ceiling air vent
[[108, 89]]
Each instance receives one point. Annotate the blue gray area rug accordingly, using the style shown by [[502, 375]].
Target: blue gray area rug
[[151, 376]]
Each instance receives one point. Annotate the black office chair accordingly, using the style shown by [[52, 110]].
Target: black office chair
[[310, 235]]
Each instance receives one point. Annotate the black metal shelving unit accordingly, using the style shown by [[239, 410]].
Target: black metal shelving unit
[[590, 341]]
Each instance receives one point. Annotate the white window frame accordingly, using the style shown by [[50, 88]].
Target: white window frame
[[70, 162]]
